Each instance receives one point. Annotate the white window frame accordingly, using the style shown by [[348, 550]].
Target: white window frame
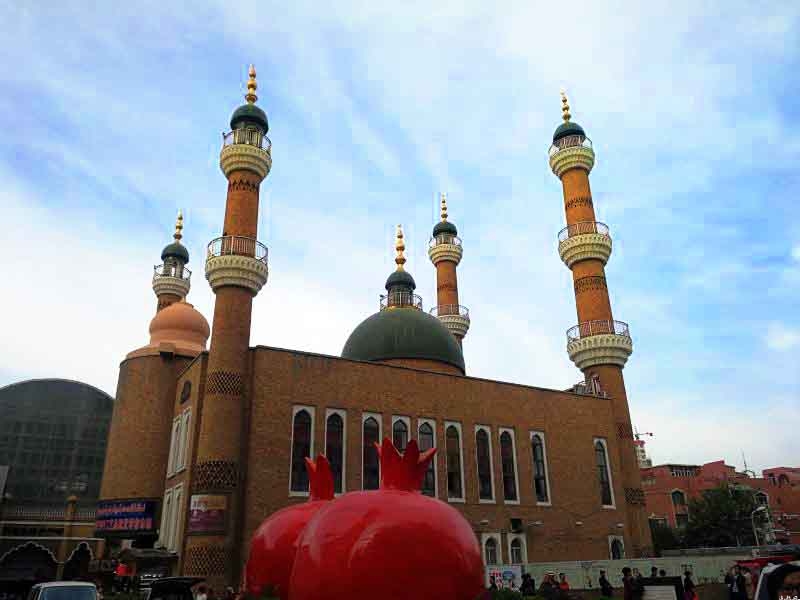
[[407, 421], [177, 512], [604, 442], [500, 431], [296, 409], [343, 414], [488, 431], [166, 519], [173, 446], [379, 418], [611, 540], [546, 470], [498, 540], [457, 425], [186, 438], [510, 537], [432, 423]]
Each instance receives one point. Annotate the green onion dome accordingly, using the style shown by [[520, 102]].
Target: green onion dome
[[175, 250], [567, 129], [249, 114], [444, 227]]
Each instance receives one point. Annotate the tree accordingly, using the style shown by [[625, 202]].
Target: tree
[[721, 517], [664, 537]]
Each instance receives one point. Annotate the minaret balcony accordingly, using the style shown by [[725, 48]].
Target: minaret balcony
[[593, 343], [237, 261], [246, 148], [400, 300], [171, 279], [571, 152], [584, 240], [453, 316], [445, 247]]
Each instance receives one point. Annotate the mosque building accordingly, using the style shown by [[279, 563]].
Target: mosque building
[[206, 440]]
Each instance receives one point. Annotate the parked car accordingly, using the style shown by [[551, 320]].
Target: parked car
[[171, 588], [63, 590]]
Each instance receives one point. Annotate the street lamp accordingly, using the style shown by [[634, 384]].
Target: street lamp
[[753, 522]]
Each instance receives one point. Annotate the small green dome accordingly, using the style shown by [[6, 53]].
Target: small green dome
[[250, 114], [566, 129], [403, 333], [444, 227], [401, 278], [176, 250]]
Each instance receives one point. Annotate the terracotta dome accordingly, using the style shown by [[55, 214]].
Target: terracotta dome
[[179, 328]]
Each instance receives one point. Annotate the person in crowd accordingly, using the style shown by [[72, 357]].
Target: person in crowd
[[528, 587], [563, 584], [549, 588], [653, 571], [638, 585], [737, 586], [748, 583], [689, 592], [202, 593], [606, 591], [662, 573], [492, 583], [627, 584]]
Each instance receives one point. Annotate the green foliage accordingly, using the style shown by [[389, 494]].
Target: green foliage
[[664, 537], [721, 517]]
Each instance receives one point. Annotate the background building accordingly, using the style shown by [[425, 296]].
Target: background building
[[53, 435]]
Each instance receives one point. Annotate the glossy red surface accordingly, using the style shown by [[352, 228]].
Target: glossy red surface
[[388, 543], [274, 543]]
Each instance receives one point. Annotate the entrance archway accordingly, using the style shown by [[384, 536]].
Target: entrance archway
[[30, 562]]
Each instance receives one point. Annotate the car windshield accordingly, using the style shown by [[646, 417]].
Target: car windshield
[[69, 593]]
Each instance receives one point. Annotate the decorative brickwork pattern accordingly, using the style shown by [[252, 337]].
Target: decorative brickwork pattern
[[241, 184], [215, 475], [634, 496], [580, 201], [624, 431], [205, 561], [226, 383], [593, 282]]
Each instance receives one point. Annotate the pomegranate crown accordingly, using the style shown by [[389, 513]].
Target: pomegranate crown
[[320, 478], [403, 471]]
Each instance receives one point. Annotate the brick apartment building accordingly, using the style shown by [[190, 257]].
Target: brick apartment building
[[669, 488], [205, 443]]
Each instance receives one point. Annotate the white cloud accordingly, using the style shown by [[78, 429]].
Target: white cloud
[[782, 337]]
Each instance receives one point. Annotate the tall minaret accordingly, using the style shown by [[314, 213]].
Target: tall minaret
[[171, 279], [236, 269], [445, 252], [599, 346]]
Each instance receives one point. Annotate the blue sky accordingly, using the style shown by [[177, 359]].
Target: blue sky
[[111, 121]]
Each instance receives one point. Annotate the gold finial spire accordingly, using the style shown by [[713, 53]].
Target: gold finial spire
[[178, 227], [565, 106], [400, 246], [443, 201], [251, 86]]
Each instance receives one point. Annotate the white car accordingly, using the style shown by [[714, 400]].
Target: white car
[[63, 590]]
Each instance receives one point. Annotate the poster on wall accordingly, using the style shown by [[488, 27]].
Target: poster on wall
[[506, 577], [208, 513]]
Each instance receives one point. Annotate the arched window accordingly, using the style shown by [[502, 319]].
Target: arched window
[[602, 473], [426, 443], [761, 499], [509, 468], [334, 448], [372, 470], [490, 548], [186, 391], [678, 498], [400, 435], [484, 465], [539, 469], [516, 552], [453, 446], [301, 448], [617, 550]]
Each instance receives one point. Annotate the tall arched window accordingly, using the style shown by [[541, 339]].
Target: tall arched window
[[509, 468], [484, 465], [602, 473], [516, 551], [617, 550], [539, 469], [301, 448], [678, 498], [334, 448], [455, 488], [400, 435], [372, 472], [426, 443], [490, 548]]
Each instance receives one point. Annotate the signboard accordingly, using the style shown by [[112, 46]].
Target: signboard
[[208, 513], [127, 518], [506, 577]]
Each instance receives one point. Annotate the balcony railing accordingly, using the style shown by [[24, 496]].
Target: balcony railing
[[450, 309], [251, 137], [444, 238], [571, 141], [239, 246], [401, 300], [169, 270], [590, 328], [581, 228]]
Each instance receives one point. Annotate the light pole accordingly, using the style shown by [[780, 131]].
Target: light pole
[[753, 522]]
